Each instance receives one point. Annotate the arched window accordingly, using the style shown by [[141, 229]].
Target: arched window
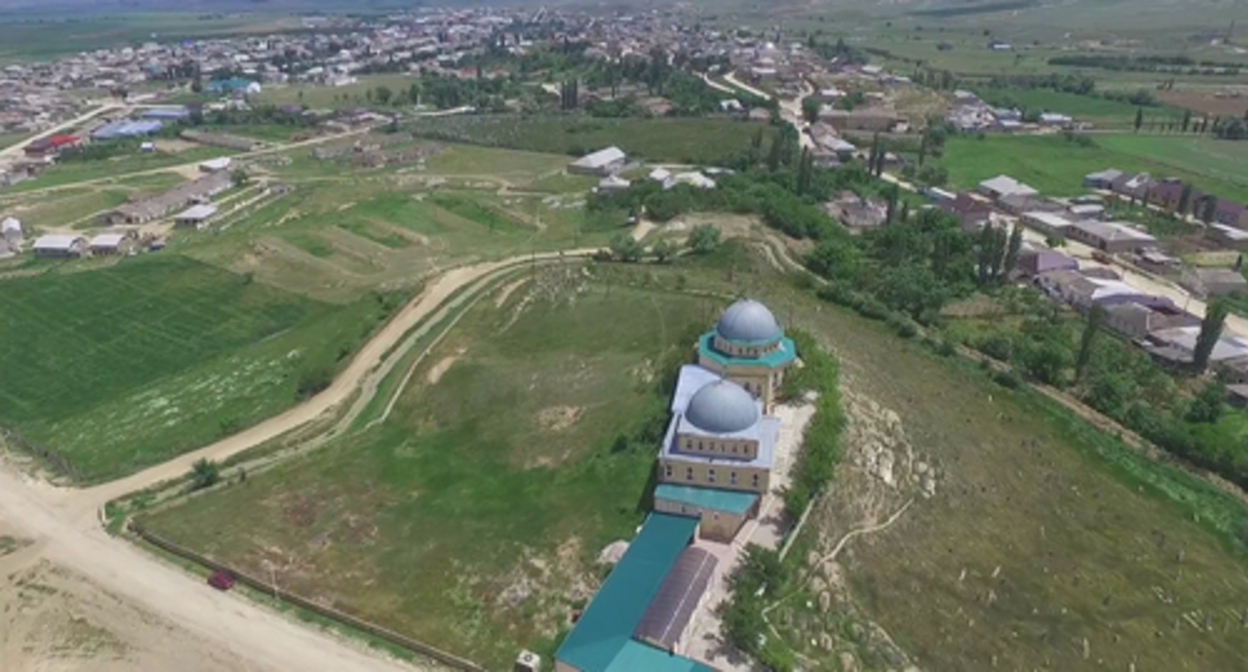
[[732, 478], [689, 474], [710, 475], [755, 480], [667, 471]]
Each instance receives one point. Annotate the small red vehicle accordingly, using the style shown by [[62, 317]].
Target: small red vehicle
[[221, 580]]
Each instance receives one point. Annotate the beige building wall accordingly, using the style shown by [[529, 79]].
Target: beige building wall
[[714, 525], [561, 666], [759, 381], [724, 476], [746, 449]]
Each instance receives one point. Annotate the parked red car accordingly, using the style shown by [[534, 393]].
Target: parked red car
[[221, 580]]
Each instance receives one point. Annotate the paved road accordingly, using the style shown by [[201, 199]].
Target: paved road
[[65, 520]]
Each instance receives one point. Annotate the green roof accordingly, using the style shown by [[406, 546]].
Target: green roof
[[781, 356], [636, 656], [729, 501], [602, 639]]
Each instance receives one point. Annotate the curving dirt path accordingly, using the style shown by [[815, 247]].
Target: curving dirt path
[[63, 522]]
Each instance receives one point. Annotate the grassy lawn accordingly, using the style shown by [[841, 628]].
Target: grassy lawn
[[668, 140], [1056, 166], [471, 517], [127, 366]]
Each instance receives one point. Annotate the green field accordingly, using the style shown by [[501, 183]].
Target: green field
[[471, 518], [1056, 166], [698, 141], [124, 367]]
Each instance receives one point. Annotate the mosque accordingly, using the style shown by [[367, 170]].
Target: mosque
[[714, 468]]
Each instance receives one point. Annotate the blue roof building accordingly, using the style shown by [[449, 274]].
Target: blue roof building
[[167, 113], [126, 128]]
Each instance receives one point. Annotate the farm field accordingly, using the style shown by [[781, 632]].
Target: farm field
[[27, 35], [1074, 536], [1056, 166], [472, 517], [334, 96], [1103, 112], [166, 354], [699, 141], [344, 230]]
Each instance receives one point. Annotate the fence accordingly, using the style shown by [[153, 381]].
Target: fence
[[377, 631]]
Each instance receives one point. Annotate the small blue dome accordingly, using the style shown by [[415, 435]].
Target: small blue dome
[[722, 407], [748, 320]]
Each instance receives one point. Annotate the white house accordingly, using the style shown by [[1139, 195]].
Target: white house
[[11, 229]]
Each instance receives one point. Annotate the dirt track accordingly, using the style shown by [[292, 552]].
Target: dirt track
[[64, 527]]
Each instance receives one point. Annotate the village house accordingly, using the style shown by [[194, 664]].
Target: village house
[[1227, 236], [1136, 320], [1168, 194], [1207, 282], [1230, 213], [1111, 237], [972, 210], [858, 214], [1131, 187], [1103, 180], [1003, 185], [1032, 263]]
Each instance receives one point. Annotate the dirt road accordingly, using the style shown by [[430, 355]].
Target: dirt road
[[63, 522]]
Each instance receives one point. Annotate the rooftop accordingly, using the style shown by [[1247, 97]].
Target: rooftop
[[784, 354], [602, 639], [600, 158], [728, 501]]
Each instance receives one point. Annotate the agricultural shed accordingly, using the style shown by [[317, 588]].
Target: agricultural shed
[[601, 163], [196, 216], [60, 246], [602, 639]]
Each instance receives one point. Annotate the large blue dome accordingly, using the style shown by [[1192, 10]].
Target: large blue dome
[[722, 407], [748, 320]]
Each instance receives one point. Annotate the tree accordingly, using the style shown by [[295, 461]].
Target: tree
[[1206, 407], [1187, 120], [204, 474], [197, 86], [239, 177], [1093, 327], [703, 239], [810, 109], [1013, 247], [1210, 332], [384, 95], [1210, 208], [663, 251], [626, 248], [1139, 118], [1185, 200]]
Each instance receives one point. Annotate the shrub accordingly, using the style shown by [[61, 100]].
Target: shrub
[[204, 474]]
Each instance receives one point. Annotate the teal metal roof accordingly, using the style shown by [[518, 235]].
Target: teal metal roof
[[636, 656], [604, 632], [781, 356], [729, 501]]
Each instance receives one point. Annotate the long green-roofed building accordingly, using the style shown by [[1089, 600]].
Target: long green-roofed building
[[602, 640]]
